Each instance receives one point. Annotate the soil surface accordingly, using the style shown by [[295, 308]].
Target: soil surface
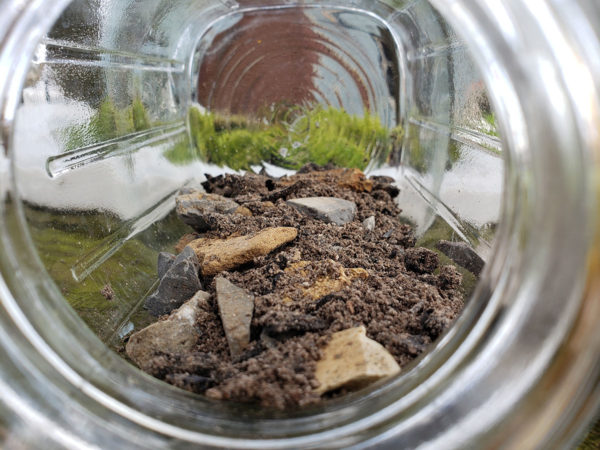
[[405, 302]]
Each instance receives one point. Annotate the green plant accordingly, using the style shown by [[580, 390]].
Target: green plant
[[320, 135]]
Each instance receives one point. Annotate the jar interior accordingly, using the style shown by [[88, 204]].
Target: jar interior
[[112, 123]]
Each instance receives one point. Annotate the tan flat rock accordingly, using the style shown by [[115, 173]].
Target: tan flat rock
[[323, 286], [217, 255], [177, 334], [235, 308], [352, 360]]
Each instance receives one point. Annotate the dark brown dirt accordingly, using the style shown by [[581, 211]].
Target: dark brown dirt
[[405, 303]]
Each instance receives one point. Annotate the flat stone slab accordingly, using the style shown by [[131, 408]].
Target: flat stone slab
[[327, 209], [463, 255], [201, 211], [177, 334], [217, 255], [353, 361], [179, 284], [235, 308]]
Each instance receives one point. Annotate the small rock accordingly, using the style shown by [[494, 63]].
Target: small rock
[[327, 209], [352, 360], [179, 284], [369, 223], [421, 260], [354, 179], [243, 211], [463, 255], [202, 211], [235, 308], [177, 334], [323, 286], [165, 260], [217, 255]]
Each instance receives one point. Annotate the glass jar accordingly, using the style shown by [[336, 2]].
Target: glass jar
[[95, 99]]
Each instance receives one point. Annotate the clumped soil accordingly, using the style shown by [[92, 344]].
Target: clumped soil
[[405, 303]]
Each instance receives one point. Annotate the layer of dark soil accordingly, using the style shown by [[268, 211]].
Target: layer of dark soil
[[405, 303]]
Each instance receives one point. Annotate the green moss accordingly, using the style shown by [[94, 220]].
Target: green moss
[[320, 135]]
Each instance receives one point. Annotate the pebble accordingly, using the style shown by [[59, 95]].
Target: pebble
[[179, 284], [352, 360], [327, 209], [235, 308], [217, 255], [369, 223], [177, 334], [201, 211], [354, 179], [323, 286], [463, 255]]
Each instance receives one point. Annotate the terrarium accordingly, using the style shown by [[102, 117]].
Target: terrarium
[[476, 121]]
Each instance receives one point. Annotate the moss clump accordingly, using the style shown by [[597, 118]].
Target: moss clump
[[319, 135]]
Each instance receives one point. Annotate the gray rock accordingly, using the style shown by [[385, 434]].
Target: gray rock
[[463, 255], [235, 308], [202, 211], [327, 209], [165, 260], [179, 284], [177, 334], [369, 223]]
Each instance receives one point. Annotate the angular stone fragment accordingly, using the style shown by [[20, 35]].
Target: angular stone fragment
[[369, 223], [217, 255], [327, 209], [177, 334], [179, 284], [325, 285], [353, 361], [165, 260], [201, 211], [463, 255], [235, 308]]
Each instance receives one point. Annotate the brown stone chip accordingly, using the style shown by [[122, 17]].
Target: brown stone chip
[[326, 285], [217, 255]]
